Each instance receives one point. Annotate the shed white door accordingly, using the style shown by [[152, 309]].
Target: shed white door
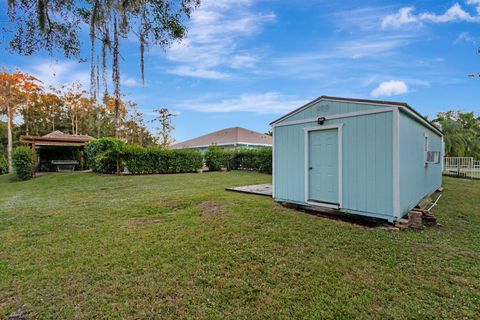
[[323, 166]]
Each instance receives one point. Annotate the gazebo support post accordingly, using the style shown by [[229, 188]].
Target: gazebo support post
[[82, 158], [34, 159]]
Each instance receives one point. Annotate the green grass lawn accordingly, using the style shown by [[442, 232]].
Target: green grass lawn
[[76, 246]]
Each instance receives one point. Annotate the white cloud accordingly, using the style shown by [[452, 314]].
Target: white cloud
[[390, 88], [130, 82], [204, 73], [213, 41], [60, 73], [342, 55], [406, 16], [371, 46], [454, 13], [66, 72], [243, 61], [465, 37], [263, 103], [357, 18]]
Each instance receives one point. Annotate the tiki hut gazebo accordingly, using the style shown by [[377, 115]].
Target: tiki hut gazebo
[[59, 139]]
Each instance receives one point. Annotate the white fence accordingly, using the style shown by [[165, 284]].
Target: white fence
[[465, 167]]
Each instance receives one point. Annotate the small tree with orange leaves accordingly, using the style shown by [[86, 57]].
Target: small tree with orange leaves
[[12, 96]]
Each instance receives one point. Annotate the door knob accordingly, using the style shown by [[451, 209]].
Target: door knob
[[310, 168]]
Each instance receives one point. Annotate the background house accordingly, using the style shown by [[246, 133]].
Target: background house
[[365, 157], [230, 138]]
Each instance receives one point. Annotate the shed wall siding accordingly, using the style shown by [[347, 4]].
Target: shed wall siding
[[367, 159], [329, 108], [416, 179]]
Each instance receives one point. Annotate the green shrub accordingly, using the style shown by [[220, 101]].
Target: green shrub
[[104, 155], [264, 160], [140, 160], [109, 155], [240, 159], [184, 160], [3, 164], [136, 159], [23, 162], [252, 159], [217, 158]]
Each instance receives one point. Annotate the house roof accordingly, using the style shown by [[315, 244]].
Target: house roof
[[227, 136], [57, 138], [378, 102]]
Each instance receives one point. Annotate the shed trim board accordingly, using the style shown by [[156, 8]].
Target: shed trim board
[[325, 98], [273, 163], [442, 155], [335, 116], [396, 162], [342, 210], [392, 105], [340, 165]]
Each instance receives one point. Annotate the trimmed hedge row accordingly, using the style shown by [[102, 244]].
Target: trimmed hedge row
[[105, 155], [217, 158], [110, 155], [23, 162], [253, 159], [140, 160], [240, 159]]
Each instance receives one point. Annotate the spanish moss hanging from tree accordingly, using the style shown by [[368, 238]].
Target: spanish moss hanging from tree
[[53, 25]]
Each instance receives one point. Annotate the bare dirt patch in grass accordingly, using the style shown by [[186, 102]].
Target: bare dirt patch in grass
[[209, 208]]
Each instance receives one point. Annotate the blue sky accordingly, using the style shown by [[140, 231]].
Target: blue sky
[[247, 62]]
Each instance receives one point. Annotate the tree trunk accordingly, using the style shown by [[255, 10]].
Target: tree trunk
[[10, 139], [73, 121], [26, 119], [98, 122], [116, 76], [76, 121]]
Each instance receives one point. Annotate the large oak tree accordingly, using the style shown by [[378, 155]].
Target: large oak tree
[[55, 25]]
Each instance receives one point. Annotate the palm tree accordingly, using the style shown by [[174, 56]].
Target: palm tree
[[461, 133]]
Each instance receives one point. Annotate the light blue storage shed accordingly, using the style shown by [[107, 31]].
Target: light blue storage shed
[[366, 157]]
